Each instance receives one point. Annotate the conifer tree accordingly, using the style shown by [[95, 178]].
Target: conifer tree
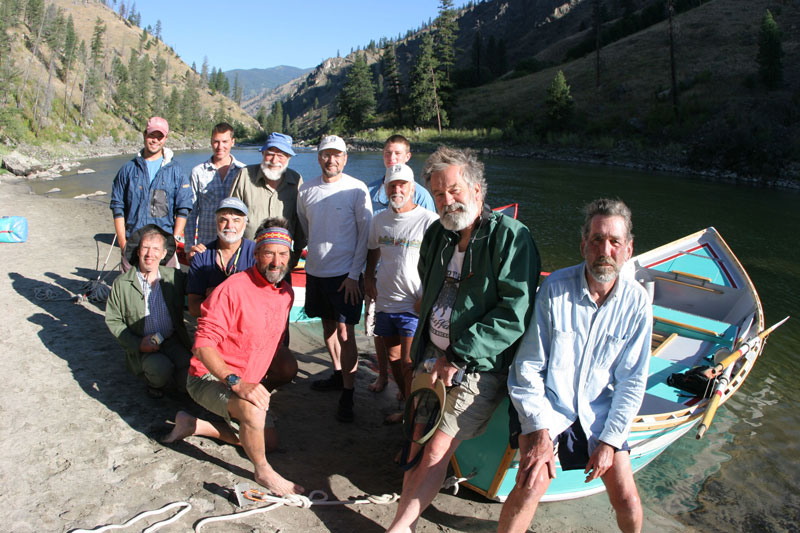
[[770, 52], [445, 38], [424, 95], [357, 97], [7, 71], [393, 84], [559, 102]]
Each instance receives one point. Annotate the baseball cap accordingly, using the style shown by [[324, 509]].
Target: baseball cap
[[332, 142], [232, 203], [399, 171], [280, 141], [157, 124]]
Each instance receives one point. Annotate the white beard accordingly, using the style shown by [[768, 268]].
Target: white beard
[[272, 173], [464, 215]]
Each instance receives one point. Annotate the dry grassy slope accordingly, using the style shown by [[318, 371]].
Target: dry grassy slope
[[720, 37], [120, 38]]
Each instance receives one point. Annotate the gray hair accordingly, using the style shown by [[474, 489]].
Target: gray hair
[[607, 207], [471, 168], [227, 210], [149, 233]]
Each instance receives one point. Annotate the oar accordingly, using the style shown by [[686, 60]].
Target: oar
[[711, 410]]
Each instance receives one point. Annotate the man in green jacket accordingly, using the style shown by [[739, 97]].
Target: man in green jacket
[[145, 312], [479, 273]]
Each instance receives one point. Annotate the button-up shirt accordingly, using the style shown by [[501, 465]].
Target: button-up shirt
[[582, 361], [156, 314], [208, 190]]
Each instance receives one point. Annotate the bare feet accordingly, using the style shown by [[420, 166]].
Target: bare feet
[[394, 418], [277, 484], [379, 384], [185, 426]]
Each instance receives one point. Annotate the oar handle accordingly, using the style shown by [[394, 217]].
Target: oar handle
[[711, 410]]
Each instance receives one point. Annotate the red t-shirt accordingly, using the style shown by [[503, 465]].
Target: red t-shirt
[[244, 319]]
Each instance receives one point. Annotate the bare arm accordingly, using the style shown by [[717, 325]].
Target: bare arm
[[370, 287], [119, 229]]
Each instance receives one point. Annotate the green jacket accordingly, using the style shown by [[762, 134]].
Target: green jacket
[[494, 303], [125, 312]]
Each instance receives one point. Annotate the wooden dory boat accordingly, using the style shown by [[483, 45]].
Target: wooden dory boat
[[703, 303]]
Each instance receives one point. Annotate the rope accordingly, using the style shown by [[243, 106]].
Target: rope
[[453, 481], [317, 497], [94, 290], [186, 507]]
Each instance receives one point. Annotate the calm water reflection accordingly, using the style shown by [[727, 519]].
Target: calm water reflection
[[744, 475]]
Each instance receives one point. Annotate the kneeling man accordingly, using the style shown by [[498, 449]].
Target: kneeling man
[[580, 373], [239, 357]]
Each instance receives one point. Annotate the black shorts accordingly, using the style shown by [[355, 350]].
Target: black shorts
[[573, 448], [324, 300]]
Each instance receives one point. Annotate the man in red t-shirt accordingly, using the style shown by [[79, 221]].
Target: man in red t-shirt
[[238, 356]]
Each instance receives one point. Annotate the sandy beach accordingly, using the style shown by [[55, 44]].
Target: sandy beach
[[80, 436]]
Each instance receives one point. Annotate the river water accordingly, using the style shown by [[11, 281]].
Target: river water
[[745, 474]]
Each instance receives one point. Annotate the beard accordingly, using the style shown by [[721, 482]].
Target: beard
[[273, 274], [604, 270], [458, 216], [273, 171], [398, 201], [230, 236]]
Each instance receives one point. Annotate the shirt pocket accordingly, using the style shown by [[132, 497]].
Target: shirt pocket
[[608, 351], [158, 204], [562, 350]]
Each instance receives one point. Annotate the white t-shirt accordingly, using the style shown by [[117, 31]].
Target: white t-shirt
[[439, 327], [399, 236], [336, 217]]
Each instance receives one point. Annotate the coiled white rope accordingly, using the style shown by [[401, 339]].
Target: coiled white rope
[[317, 497], [93, 290], [158, 525]]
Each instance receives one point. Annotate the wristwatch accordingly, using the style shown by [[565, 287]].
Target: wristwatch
[[231, 380]]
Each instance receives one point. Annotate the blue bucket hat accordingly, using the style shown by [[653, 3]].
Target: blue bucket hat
[[280, 141]]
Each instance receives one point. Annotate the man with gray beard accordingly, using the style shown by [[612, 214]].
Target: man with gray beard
[[229, 253], [269, 189], [479, 273]]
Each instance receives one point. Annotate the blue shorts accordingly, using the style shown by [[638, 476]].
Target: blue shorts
[[324, 300], [395, 324], [573, 448]]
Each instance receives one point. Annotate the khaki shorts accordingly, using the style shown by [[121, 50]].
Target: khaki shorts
[[470, 406], [213, 394]]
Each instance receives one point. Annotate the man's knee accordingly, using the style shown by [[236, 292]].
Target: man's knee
[[158, 370], [247, 413], [346, 332], [283, 368]]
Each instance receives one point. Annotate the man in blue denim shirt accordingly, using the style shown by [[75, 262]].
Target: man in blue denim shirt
[[151, 188], [580, 373]]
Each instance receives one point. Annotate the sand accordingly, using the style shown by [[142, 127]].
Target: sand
[[80, 436]]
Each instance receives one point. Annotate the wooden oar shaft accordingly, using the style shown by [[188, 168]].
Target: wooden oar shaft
[[711, 410], [725, 363]]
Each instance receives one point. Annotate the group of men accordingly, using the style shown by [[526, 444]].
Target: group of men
[[451, 290]]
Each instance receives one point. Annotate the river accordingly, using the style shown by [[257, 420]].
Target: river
[[744, 475]]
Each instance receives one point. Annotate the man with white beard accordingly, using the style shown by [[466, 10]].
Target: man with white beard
[[269, 189], [229, 253], [395, 237], [479, 273]]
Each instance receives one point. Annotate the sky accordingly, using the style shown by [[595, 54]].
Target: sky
[[265, 33]]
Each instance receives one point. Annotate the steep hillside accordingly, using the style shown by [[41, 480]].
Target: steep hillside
[[119, 76]]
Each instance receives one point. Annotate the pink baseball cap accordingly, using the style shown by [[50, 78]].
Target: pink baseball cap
[[157, 124]]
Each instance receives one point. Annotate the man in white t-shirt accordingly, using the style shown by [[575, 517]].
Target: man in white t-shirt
[[335, 212], [394, 239]]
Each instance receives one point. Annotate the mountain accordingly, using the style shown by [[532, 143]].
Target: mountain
[[116, 76], [254, 81]]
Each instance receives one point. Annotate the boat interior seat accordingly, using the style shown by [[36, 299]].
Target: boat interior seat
[[660, 370], [653, 404], [667, 320]]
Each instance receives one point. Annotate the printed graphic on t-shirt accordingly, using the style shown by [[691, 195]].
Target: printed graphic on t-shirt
[[439, 328]]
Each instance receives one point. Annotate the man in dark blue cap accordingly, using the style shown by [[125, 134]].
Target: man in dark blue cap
[[269, 189]]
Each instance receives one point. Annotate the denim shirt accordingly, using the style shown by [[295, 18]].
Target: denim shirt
[[580, 361]]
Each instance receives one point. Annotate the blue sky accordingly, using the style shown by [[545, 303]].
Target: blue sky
[[261, 34]]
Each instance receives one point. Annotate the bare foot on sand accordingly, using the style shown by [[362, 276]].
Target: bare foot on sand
[[379, 384], [185, 426], [277, 484]]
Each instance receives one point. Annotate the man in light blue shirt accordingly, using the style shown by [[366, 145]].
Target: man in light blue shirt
[[580, 373]]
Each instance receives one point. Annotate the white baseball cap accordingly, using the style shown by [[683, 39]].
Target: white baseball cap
[[399, 171], [332, 142]]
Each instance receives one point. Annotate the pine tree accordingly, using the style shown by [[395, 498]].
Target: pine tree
[[158, 29], [237, 90], [559, 102], [393, 84], [7, 71], [203, 72], [770, 52], [424, 96], [173, 109], [357, 97], [445, 38]]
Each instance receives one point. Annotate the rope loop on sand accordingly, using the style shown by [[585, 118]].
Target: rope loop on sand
[[158, 525]]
